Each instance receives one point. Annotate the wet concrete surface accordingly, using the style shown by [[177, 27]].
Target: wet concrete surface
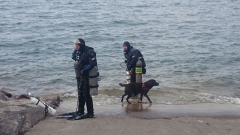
[[154, 111]]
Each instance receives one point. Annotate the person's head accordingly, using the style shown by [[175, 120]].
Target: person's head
[[79, 44], [126, 46]]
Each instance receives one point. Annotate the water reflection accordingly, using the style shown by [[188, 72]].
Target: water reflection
[[136, 107]]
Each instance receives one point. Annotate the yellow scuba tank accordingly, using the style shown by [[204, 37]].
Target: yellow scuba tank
[[93, 81], [138, 71]]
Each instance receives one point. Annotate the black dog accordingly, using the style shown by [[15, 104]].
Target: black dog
[[136, 88]]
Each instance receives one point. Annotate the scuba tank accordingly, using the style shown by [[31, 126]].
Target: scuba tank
[[138, 71], [38, 102], [93, 81]]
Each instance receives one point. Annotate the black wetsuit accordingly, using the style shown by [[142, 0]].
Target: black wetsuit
[[132, 56], [85, 60]]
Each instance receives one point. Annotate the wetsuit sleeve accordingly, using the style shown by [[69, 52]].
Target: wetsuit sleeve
[[91, 55], [134, 59], [74, 54], [125, 55]]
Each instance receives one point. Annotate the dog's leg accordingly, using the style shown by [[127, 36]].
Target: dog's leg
[[141, 96], [123, 96], [145, 94], [140, 99], [128, 98]]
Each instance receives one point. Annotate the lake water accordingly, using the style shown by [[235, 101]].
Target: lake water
[[191, 47]]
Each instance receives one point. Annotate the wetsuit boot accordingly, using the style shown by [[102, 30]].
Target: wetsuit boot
[[90, 112]]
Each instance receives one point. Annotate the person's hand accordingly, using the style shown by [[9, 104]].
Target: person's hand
[[84, 71], [128, 68]]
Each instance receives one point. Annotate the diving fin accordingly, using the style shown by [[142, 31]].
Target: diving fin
[[74, 116], [79, 117], [67, 115]]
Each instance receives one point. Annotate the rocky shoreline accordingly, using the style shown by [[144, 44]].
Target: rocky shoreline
[[18, 115]]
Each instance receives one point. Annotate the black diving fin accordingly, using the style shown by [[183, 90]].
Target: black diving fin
[[74, 116], [66, 115]]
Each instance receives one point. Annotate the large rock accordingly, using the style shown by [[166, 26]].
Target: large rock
[[18, 116], [3, 97]]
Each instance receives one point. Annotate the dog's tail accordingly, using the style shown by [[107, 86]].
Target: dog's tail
[[123, 85]]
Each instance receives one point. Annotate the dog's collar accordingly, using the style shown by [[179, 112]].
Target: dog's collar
[[144, 87]]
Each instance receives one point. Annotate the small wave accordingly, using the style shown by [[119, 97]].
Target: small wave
[[221, 81], [69, 94], [205, 97]]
